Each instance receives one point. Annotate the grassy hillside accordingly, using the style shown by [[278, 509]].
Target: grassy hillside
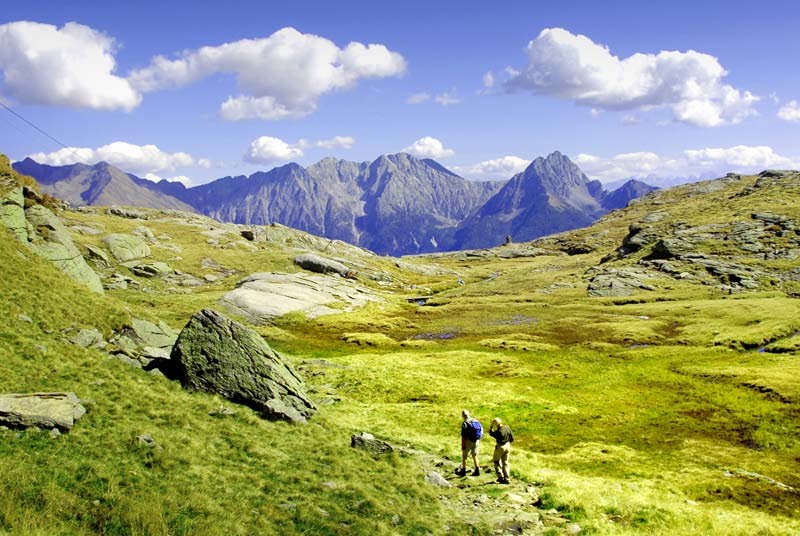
[[668, 411]]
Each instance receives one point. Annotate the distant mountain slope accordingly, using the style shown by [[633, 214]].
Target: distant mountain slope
[[396, 205], [620, 197], [100, 184], [551, 195]]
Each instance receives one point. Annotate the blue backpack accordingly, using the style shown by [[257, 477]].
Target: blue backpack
[[474, 430]]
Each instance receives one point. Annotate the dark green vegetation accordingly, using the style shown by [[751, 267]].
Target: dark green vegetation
[[665, 411]]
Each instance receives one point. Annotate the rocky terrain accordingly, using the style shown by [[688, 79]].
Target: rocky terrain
[[164, 372]]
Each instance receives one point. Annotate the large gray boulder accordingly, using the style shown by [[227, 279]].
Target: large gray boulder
[[12, 213], [51, 240], [217, 355], [44, 410], [125, 247]]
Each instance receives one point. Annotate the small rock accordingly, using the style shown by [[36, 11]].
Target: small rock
[[88, 337], [127, 213], [146, 440], [514, 498], [54, 433], [222, 411], [572, 528], [367, 441], [25, 318], [395, 520], [436, 479], [329, 484], [248, 234]]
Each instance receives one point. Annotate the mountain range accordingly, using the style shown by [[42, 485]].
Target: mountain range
[[397, 204]]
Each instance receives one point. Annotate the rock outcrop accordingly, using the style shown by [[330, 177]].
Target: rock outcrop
[[263, 296], [12, 213], [49, 238], [43, 410], [217, 355], [125, 247]]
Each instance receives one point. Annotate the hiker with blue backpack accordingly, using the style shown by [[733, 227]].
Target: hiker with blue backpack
[[471, 434]]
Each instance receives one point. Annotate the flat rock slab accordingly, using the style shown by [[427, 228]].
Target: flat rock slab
[[263, 296], [45, 410]]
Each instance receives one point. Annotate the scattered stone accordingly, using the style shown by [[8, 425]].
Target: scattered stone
[[248, 234], [98, 257], [88, 337], [217, 355], [572, 528], [126, 248], [671, 248], [145, 233], [616, 283], [435, 479], [55, 433], [367, 441], [43, 410], [396, 520], [210, 278], [151, 269], [83, 229], [127, 213], [330, 485], [119, 282], [147, 441], [222, 411], [25, 318]]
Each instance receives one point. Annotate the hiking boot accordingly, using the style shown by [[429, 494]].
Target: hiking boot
[[460, 471], [476, 472], [504, 481]]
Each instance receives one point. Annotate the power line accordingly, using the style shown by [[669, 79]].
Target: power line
[[3, 104], [72, 150]]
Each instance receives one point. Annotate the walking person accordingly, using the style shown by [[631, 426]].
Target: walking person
[[504, 437], [471, 433]]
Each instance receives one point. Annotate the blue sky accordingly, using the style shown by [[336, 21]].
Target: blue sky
[[593, 84]]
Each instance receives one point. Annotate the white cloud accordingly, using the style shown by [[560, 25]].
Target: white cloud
[[280, 76], [568, 66], [418, 98], [336, 142], [631, 119], [499, 168], [183, 179], [69, 66], [488, 80], [447, 98], [790, 112], [690, 165], [204, 163], [428, 147], [126, 156], [268, 149]]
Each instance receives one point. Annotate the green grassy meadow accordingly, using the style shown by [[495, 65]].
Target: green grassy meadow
[[649, 414]]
